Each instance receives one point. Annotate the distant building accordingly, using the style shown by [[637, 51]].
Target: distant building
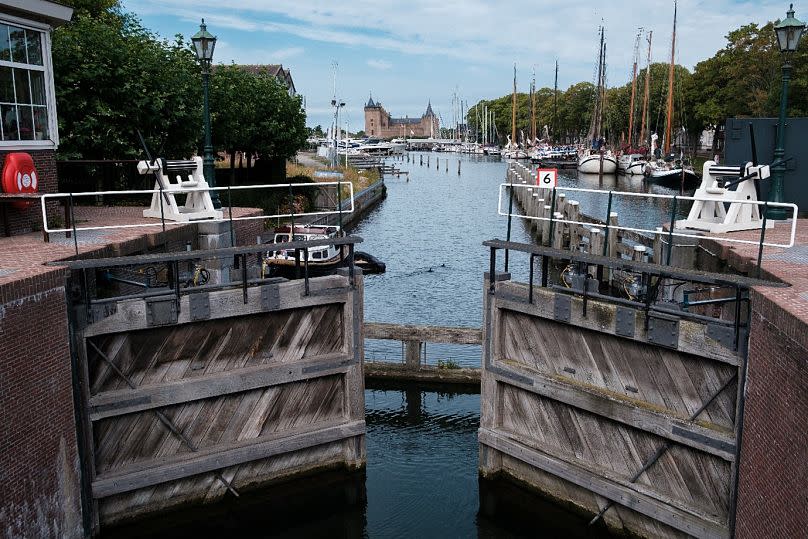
[[379, 123], [275, 70]]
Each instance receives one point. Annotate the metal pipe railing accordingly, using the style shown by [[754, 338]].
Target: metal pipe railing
[[675, 198], [163, 223]]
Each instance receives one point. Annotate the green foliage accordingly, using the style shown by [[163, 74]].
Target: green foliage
[[741, 80], [112, 77], [254, 113], [448, 364]]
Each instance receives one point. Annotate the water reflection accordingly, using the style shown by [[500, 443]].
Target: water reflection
[[429, 231]]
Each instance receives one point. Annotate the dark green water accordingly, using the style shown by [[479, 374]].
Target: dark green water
[[421, 481]]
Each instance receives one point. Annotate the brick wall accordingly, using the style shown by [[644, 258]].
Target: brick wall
[[26, 220], [773, 483], [38, 456]]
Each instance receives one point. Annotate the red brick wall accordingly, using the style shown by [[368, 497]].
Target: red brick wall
[[38, 456], [773, 483], [22, 221]]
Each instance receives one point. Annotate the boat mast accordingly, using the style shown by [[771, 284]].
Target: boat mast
[[513, 109], [645, 95], [533, 108], [633, 91], [594, 127], [555, 102], [669, 117]]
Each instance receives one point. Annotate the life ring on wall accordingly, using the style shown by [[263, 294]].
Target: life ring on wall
[[20, 176]]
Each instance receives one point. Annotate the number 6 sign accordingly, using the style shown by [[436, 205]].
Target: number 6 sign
[[547, 177]]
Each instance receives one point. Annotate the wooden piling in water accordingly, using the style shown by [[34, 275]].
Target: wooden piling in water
[[545, 225], [573, 214], [458, 167], [558, 231]]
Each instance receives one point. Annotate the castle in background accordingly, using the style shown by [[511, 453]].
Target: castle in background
[[379, 123]]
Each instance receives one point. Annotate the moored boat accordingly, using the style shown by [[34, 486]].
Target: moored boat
[[631, 164], [595, 162], [322, 260]]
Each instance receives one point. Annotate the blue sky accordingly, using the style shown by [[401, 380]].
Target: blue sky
[[407, 53]]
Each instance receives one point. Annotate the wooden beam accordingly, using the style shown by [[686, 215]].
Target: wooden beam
[[625, 494], [131, 314], [623, 411], [217, 458], [693, 337], [431, 334], [127, 401]]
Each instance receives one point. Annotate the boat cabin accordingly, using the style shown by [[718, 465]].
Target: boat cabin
[[322, 253]]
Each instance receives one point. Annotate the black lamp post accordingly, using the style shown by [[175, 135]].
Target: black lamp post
[[204, 42], [789, 32], [337, 106]]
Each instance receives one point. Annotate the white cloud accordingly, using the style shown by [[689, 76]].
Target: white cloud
[[379, 64], [472, 43]]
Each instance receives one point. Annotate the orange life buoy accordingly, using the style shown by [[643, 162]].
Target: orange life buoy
[[19, 176]]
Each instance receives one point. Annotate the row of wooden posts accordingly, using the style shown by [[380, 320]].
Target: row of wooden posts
[[562, 225], [428, 160]]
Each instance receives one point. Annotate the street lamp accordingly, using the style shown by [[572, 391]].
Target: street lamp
[[204, 43], [337, 106], [789, 32]]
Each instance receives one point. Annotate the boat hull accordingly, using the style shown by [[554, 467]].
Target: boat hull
[[672, 177], [286, 267], [591, 164], [637, 168]]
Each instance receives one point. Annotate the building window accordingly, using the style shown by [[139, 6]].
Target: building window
[[27, 111]]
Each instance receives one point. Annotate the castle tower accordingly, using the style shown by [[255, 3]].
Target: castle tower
[[373, 118]]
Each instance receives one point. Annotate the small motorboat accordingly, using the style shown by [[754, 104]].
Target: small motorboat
[[671, 173], [322, 260]]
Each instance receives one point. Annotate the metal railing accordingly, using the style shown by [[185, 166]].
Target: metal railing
[[72, 228], [652, 276], [674, 198]]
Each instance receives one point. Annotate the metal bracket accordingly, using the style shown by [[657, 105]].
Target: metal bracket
[[625, 321], [722, 334], [161, 311], [270, 297], [562, 307], [663, 330], [200, 305]]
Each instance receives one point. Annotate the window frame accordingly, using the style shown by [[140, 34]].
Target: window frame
[[52, 142]]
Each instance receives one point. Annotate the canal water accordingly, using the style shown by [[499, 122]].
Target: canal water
[[430, 229], [421, 477]]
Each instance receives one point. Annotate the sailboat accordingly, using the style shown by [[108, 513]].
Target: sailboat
[[512, 149], [671, 170], [631, 162], [596, 159]]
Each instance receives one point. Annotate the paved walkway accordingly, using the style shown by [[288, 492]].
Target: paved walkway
[[786, 265], [24, 256], [307, 160]]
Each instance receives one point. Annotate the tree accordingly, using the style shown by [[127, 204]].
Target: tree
[[254, 114], [112, 77]]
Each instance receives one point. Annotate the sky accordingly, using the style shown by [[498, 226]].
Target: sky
[[407, 53]]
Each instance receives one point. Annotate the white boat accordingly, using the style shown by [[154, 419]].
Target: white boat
[[321, 260], [671, 173], [631, 164], [595, 162]]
